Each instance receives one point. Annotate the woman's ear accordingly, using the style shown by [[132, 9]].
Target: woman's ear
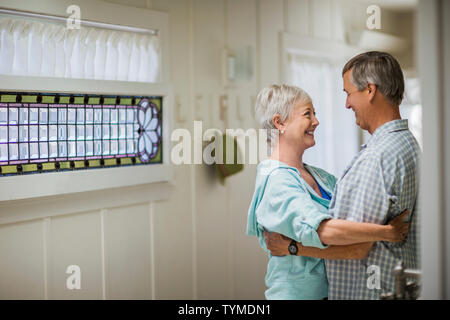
[[276, 120]]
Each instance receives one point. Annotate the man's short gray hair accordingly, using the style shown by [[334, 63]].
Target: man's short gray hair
[[277, 99], [381, 69]]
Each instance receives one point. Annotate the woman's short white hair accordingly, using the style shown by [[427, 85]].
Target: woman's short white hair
[[277, 99]]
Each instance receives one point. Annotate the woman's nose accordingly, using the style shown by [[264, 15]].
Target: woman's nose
[[315, 122]]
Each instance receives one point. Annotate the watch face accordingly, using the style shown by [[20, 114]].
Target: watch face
[[293, 249]]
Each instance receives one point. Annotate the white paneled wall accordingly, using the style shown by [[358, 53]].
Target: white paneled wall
[[270, 24], [22, 262], [74, 240], [297, 21], [129, 237], [193, 244]]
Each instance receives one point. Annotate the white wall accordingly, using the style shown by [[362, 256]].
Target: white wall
[[193, 245], [433, 48]]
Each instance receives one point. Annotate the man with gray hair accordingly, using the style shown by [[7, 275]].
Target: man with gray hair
[[380, 182]]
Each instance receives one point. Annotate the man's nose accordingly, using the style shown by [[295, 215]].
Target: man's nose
[[347, 105]]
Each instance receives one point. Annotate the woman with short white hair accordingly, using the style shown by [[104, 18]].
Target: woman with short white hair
[[292, 199]]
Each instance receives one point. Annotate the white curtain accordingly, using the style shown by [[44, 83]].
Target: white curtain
[[337, 134], [31, 48]]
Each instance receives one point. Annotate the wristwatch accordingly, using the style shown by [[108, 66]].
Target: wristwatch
[[293, 249]]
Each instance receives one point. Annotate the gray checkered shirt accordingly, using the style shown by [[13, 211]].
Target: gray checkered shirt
[[381, 182]]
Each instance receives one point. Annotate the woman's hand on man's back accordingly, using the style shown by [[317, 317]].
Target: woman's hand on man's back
[[277, 243]]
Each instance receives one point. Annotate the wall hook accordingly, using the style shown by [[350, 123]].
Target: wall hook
[[178, 116], [223, 107], [238, 109]]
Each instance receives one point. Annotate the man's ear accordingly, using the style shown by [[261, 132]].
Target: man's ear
[[372, 90], [276, 120]]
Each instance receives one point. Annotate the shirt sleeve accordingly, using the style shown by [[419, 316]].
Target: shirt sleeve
[[361, 194], [287, 208]]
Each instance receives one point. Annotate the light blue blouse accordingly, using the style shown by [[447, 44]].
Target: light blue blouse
[[283, 202]]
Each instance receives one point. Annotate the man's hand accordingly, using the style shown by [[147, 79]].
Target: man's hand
[[399, 229], [277, 244]]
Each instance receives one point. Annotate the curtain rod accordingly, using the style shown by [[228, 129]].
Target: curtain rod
[[82, 22]]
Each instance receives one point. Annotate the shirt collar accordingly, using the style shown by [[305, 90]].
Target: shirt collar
[[388, 127]]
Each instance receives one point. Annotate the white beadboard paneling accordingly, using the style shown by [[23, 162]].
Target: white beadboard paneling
[[21, 261], [242, 266], [321, 18], [212, 235], [337, 20], [241, 34], [75, 240], [22, 210], [249, 259], [354, 15], [271, 23], [241, 24], [209, 44], [240, 108], [172, 227], [210, 197], [127, 252], [297, 15], [208, 50]]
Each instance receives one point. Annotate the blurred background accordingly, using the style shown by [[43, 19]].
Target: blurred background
[[184, 238]]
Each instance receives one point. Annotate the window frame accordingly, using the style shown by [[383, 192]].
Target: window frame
[[59, 183]]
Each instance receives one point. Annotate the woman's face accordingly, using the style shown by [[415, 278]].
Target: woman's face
[[299, 127]]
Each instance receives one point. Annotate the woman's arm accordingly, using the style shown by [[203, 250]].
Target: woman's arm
[[344, 232], [286, 208]]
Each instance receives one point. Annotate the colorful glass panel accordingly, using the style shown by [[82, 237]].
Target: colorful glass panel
[[44, 132]]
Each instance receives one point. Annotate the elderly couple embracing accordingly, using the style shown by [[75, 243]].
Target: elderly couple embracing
[[326, 236]]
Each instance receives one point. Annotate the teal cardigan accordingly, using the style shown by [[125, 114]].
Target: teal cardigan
[[283, 202]]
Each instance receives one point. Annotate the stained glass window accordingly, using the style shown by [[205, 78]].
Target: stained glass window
[[44, 132]]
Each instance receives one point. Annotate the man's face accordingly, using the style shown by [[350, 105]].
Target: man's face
[[358, 101]]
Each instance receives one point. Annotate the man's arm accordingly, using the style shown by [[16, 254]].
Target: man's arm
[[343, 232], [364, 195], [278, 246], [353, 251]]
